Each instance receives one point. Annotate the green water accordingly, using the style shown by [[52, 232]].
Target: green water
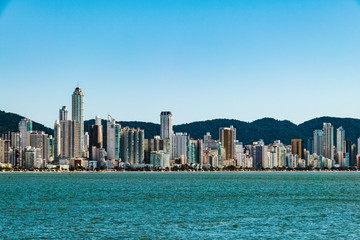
[[180, 205]]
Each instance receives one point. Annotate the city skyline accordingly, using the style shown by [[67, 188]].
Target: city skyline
[[182, 56]]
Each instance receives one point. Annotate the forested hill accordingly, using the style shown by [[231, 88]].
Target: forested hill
[[267, 129], [10, 122]]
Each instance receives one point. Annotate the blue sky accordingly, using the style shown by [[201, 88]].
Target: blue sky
[[243, 59]]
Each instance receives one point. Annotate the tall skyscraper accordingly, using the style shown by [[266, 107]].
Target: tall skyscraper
[[227, 138], [340, 137], [180, 143], [166, 127], [328, 141], [297, 147], [63, 114], [25, 127], [78, 115], [113, 139]]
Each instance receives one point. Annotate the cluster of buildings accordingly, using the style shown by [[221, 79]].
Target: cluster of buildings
[[106, 144]]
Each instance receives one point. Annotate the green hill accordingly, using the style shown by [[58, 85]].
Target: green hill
[[268, 129], [10, 122]]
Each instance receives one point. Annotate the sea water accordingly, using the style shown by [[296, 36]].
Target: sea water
[[178, 205]]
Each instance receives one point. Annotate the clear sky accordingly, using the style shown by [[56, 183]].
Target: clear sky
[[200, 59]]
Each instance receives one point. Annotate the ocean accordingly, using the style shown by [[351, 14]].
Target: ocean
[[180, 205]]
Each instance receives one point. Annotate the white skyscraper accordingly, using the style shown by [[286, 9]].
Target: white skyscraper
[[166, 127], [78, 116], [113, 139]]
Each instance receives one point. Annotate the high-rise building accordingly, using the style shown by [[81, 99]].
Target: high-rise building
[[113, 139], [57, 140], [39, 140], [95, 137], [297, 147], [132, 145], [25, 127], [78, 115], [180, 147], [69, 141], [347, 153], [195, 150], [155, 144], [328, 141], [63, 114], [340, 137], [166, 127], [318, 142], [227, 137], [207, 138]]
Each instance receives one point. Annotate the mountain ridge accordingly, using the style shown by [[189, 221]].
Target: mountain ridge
[[268, 129]]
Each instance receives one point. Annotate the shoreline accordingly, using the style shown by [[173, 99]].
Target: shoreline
[[254, 171]]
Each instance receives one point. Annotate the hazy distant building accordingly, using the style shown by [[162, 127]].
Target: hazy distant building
[[25, 127], [113, 139], [227, 137], [78, 115]]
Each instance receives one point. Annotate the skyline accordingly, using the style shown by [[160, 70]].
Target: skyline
[[134, 59]]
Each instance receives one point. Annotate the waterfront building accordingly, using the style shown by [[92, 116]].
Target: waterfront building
[[95, 137], [353, 162], [195, 150], [297, 147], [132, 145], [318, 142], [39, 140], [347, 153], [57, 140], [25, 127], [113, 139], [160, 159], [180, 146], [227, 137], [328, 141], [69, 145], [340, 137], [259, 155], [155, 144], [166, 126], [78, 116], [86, 141]]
